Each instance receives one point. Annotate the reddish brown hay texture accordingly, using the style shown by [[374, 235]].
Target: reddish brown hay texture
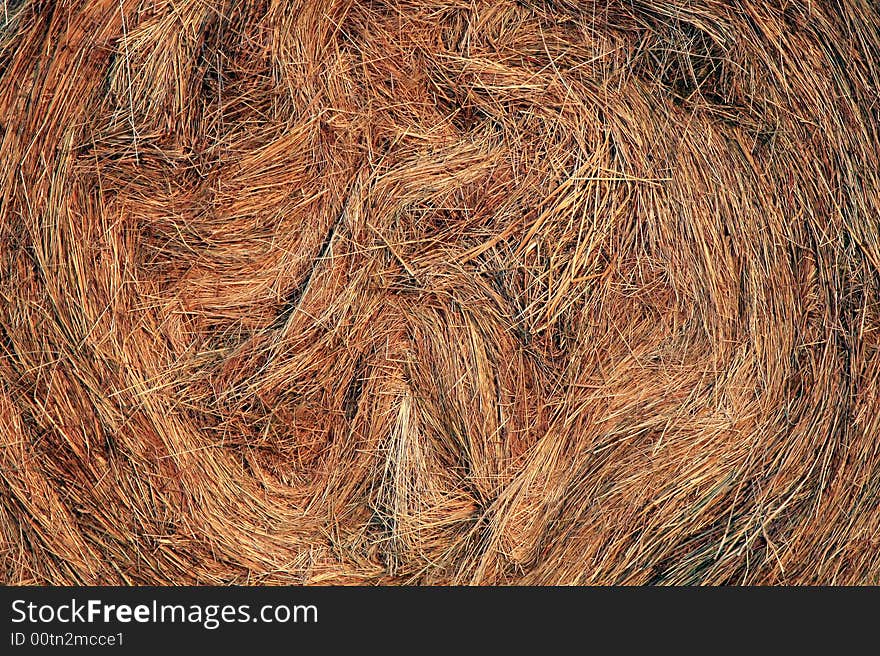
[[463, 292]]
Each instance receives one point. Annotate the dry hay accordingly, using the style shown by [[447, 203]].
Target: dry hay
[[402, 291]]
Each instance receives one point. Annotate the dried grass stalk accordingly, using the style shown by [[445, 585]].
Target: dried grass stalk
[[395, 291]]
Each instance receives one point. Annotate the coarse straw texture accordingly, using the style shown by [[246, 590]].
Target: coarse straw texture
[[439, 292]]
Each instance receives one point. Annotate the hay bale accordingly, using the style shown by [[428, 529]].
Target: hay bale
[[402, 291]]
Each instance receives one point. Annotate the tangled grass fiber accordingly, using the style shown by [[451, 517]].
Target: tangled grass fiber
[[440, 291]]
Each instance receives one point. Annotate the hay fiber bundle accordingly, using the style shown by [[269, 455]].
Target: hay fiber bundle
[[453, 291]]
